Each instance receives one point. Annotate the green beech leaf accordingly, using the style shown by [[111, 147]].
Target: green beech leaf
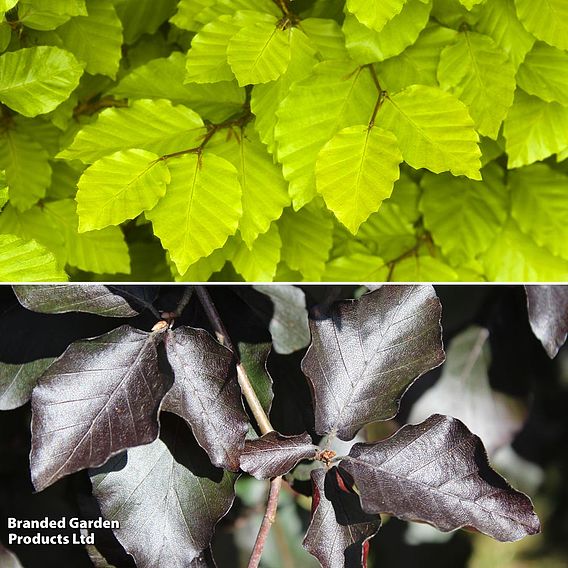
[[102, 252], [358, 266], [421, 268], [200, 210], [479, 73], [544, 73], [498, 19], [434, 130], [120, 187], [259, 53], [417, 64], [464, 216], [265, 192], [534, 130], [336, 95], [6, 5], [34, 224], [515, 257], [187, 13], [374, 13], [356, 171], [35, 80], [207, 58], [153, 125], [27, 261], [306, 240], [163, 78], [367, 45], [27, 168], [217, 8], [327, 37], [143, 16], [539, 205], [547, 20], [266, 98], [95, 39], [205, 267], [49, 14], [258, 264]]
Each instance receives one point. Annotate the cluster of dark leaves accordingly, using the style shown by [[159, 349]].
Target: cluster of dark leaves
[[109, 404]]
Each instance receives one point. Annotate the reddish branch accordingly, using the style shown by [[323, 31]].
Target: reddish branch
[[259, 415]]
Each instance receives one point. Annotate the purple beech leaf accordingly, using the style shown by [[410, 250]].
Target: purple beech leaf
[[96, 400], [273, 454], [18, 380], [339, 530], [367, 352], [289, 324], [64, 298], [548, 315], [437, 472], [254, 357], [464, 392], [167, 498], [206, 394]]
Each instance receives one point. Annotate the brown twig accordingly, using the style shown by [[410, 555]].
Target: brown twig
[[267, 521], [258, 413], [212, 129], [90, 107]]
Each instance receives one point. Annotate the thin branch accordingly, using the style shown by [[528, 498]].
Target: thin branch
[[258, 413], [212, 129], [215, 320], [375, 77], [183, 301], [267, 521], [253, 402]]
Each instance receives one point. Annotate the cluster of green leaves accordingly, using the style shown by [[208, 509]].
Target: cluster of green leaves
[[319, 140]]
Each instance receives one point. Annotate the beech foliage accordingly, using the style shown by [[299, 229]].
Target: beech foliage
[[107, 405], [408, 140]]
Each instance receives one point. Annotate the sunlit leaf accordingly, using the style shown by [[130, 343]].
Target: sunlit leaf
[[35, 80], [98, 399], [353, 362], [451, 486]]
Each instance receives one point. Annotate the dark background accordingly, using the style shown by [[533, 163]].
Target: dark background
[[519, 367]]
